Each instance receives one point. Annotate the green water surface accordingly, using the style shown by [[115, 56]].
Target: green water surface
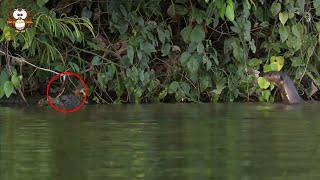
[[239, 141]]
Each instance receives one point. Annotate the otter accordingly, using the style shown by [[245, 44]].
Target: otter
[[66, 102], [288, 91]]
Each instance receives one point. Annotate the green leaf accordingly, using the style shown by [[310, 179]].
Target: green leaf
[[163, 94], [137, 94], [94, 46], [263, 83], [181, 10], [102, 80], [252, 46], [173, 87], [134, 73], [312, 46], [59, 68], [152, 24], [179, 95], [205, 82], [227, 45], [142, 76], [6, 32], [237, 51], [4, 76], [146, 78], [139, 55], [317, 26], [264, 24], [1, 92], [161, 35], [74, 67], [270, 67], [229, 2], [185, 33], [295, 31], [165, 49], [283, 17], [96, 60], [168, 34], [130, 53], [123, 11], [111, 71], [300, 5], [3, 23], [184, 58], [207, 61], [185, 88], [223, 10], [86, 12], [29, 35], [214, 56], [296, 62], [8, 88], [247, 30], [192, 47], [291, 14], [219, 89], [200, 48], [148, 48], [16, 80], [275, 8], [278, 60], [230, 13], [316, 5], [265, 94], [171, 10], [294, 42], [236, 29], [197, 34], [255, 62], [193, 64], [122, 27], [283, 33], [193, 77], [41, 2]]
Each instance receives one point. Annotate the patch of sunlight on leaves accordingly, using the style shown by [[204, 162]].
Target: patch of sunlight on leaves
[[270, 67], [283, 17], [230, 13], [263, 83], [278, 60]]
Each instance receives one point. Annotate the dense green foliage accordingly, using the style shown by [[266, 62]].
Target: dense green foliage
[[164, 51]]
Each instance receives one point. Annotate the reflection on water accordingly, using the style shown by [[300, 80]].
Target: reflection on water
[[166, 141]]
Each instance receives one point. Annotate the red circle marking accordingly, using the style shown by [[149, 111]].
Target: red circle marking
[[84, 86]]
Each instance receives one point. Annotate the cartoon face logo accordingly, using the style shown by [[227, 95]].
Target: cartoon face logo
[[19, 19]]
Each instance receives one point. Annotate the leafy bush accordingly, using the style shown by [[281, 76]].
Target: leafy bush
[[167, 51]]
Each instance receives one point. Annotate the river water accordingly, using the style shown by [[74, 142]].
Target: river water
[[240, 141]]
